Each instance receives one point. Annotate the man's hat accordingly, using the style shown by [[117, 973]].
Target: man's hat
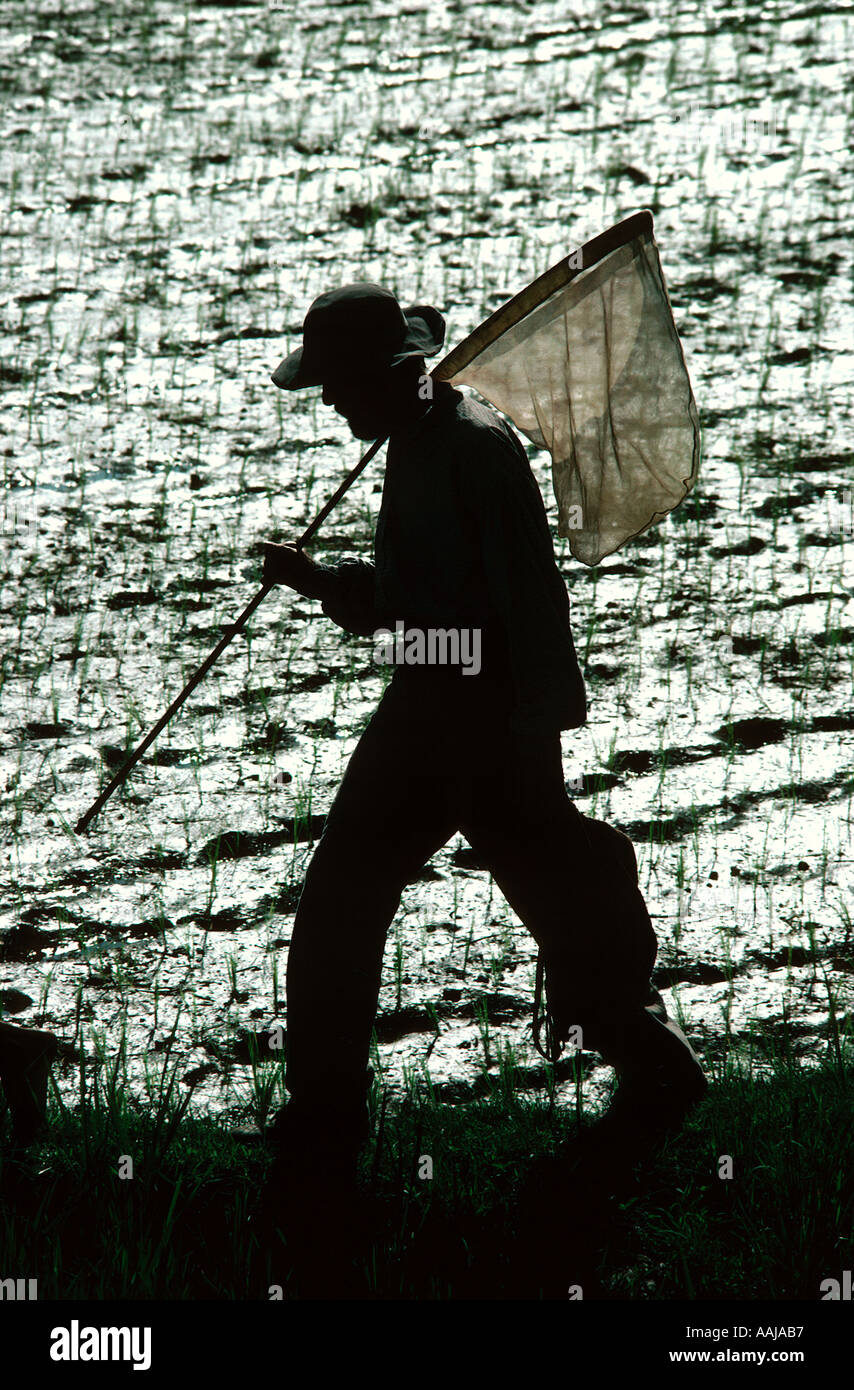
[[359, 323]]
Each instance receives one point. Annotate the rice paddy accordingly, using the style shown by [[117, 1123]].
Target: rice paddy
[[179, 182]]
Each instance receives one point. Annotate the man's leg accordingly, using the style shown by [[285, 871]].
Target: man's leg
[[597, 941], [391, 813], [573, 882]]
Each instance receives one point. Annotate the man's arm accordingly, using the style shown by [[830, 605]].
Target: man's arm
[[345, 590], [525, 586], [349, 599]]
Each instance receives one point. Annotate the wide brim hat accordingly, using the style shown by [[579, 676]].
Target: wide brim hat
[[359, 325]]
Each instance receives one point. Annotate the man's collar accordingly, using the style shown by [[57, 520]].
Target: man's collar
[[444, 395]]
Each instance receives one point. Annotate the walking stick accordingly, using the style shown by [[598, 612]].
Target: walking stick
[[230, 632]]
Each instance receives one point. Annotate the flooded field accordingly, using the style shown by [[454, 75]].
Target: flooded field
[[178, 183]]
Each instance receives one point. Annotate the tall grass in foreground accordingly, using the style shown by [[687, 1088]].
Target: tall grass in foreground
[[181, 1227]]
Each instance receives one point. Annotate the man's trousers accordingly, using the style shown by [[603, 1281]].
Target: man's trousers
[[438, 757]]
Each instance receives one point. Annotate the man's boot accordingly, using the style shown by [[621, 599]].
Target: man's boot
[[312, 1197], [316, 1137], [659, 1075], [316, 1154]]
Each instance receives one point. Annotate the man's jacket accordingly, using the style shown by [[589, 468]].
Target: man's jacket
[[463, 541]]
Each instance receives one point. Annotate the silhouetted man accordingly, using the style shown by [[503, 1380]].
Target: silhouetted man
[[462, 544]]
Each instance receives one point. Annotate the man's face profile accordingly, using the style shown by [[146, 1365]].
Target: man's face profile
[[362, 397], [375, 400]]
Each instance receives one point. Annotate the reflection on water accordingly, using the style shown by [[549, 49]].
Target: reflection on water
[[181, 184]]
